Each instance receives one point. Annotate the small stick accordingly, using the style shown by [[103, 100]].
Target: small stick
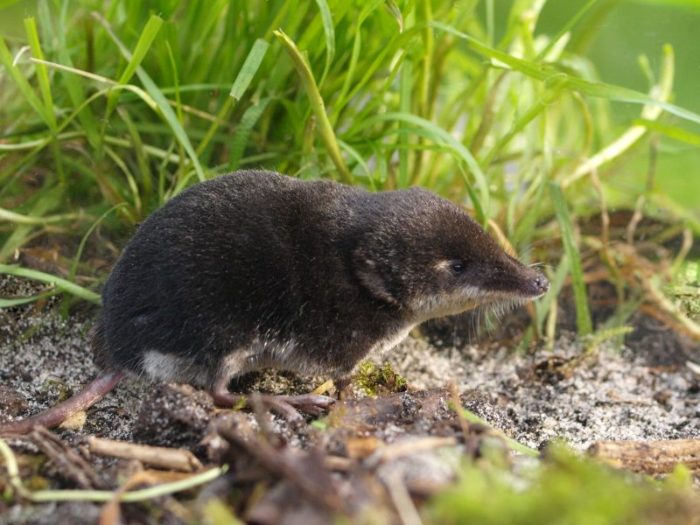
[[338, 463], [162, 457], [695, 368], [457, 402], [69, 462], [411, 446], [398, 493], [323, 388], [651, 457]]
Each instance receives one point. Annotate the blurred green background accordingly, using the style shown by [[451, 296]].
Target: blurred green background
[[643, 27], [614, 38]]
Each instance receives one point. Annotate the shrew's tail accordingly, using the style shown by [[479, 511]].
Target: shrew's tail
[[54, 416]]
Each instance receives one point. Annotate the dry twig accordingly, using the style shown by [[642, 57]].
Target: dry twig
[[166, 458], [69, 462], [408, 447], [651, 457]]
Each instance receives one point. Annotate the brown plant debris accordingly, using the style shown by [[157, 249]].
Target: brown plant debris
[[649, 457]]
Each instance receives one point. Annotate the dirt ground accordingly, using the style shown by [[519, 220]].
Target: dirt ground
[[644, 391]]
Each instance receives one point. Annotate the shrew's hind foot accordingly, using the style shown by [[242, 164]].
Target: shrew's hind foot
[[313, 404], [288, 407]]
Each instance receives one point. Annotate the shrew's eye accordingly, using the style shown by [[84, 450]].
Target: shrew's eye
[[457, 266]]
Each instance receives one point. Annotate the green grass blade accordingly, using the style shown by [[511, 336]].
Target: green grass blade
[[633, 134], [405, 106], [490, 25], [171, 118], [550, 95], [583, 316], [18, 301], [148, 34], [63, 284], [243, 130], [24, 87], [692, 5], [369, 71], [50, 199], [145, 174], [593, 89], [176, 81], [395, 11], [367, 173], [41, 70], [130, 180], [37, 146], [317, 104], [349, 75], [220, 118], [514, 445], [673, 132], [73, 86], [543, 306], [249, 68], [18, 218], [565, 29], [329, 33], [134, 60], [45, 88]]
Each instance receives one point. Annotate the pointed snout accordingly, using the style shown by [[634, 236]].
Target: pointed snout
[[540, 284], [530, 282], [507, 278], [536, 285]]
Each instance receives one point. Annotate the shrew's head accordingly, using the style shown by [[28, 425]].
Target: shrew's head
[[425, 254]]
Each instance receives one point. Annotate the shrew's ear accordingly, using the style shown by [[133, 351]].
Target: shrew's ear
[[368, 273]]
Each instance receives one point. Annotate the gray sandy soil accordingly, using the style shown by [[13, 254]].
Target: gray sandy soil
[[616, 396]]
